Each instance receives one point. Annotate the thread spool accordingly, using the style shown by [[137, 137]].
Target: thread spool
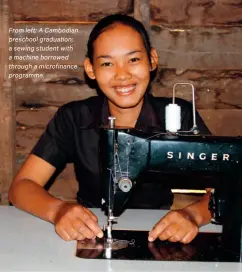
[[173, 117]]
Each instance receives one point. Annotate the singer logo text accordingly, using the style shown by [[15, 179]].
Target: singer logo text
[[198, 156]]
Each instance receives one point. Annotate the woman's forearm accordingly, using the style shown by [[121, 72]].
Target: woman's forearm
[[199, 211], [31, 197]]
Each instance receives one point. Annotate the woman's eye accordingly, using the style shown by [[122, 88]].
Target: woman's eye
[[105, 64], [134, 59]]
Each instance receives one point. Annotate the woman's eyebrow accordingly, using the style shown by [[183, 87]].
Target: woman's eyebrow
[[104, 57], [127, 54], [134, 51]]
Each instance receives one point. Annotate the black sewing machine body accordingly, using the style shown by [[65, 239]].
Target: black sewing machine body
[[127, 153]]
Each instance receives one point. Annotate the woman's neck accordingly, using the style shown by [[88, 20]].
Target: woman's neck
[[125, 117]]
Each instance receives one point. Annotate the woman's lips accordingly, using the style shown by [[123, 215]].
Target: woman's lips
[[125, 90]]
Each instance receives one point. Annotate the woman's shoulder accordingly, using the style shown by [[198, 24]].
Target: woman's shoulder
[[79, 106], [80, 112]]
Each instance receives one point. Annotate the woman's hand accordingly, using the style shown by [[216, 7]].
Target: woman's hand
[[75, 222], [176, 226], [182, 225]]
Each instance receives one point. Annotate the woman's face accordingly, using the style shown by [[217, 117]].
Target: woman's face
[[121, 66]]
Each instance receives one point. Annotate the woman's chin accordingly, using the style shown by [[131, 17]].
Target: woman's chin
[[127, 103]]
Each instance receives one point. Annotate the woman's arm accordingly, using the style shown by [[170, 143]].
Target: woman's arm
[[72, 221], [27, 192], [199, 210]]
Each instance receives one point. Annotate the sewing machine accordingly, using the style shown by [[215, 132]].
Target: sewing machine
[[127, 153]]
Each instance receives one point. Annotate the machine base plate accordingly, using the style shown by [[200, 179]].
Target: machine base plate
[[205, 247]]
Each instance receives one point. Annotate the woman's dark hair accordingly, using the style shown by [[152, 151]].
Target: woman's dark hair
[[110, 20]]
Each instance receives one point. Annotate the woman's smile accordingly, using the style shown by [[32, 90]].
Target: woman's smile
[[125, 90]]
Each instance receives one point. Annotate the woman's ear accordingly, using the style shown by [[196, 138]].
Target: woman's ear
[[154, 59], [89, 68]]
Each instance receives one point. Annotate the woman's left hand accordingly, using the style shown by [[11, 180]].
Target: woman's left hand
[[176, 226]]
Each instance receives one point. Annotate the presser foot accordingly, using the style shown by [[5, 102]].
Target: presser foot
[[101, 244], [114, 244], [111, 243]]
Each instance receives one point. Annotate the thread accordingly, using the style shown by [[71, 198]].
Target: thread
[[173, 117]]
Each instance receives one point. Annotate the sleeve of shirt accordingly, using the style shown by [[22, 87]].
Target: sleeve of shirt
[[56, 144], [187, 121]]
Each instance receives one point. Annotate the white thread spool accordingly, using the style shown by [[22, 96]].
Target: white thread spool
[[173, 117]]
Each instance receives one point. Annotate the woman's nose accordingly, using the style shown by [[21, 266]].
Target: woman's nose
[[122, 73]]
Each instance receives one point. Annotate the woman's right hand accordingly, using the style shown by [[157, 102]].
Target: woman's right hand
[[72, 221], [75, 222]]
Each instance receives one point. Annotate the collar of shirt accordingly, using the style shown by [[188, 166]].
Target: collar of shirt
[[148, 120]]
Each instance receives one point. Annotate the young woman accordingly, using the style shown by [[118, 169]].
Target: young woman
[[120, 60]]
